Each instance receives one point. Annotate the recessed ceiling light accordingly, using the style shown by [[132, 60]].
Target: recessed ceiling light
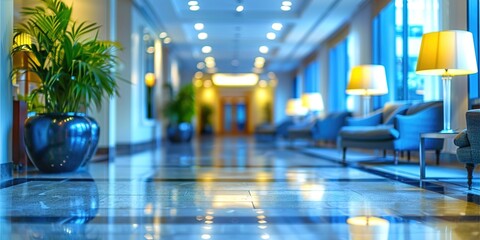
[[285, 8], [240, 8], [198, 74], [192, 3], [287, 3], [271, 35], [263, 49], [163, 35], [201, 65], [196, 8], [198, 26], [151, 49], [210, 64], [167, 40], [277, 26], [209, 59], [202, 36], [206, 49]]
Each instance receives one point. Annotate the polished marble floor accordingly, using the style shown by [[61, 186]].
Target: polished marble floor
[[233, 188]]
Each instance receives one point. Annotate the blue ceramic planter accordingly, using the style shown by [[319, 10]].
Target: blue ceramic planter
[[60, 142]]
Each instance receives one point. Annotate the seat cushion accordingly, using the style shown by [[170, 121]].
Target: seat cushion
[[376, 133]]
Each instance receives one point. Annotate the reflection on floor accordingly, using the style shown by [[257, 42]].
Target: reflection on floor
[[235, 188]]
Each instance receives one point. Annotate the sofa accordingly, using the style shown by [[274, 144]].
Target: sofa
[[271, 131], [468, 142], [323, 129], [397, 127]]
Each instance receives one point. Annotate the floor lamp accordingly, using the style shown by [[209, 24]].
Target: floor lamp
[[367, 81], [447, 54]]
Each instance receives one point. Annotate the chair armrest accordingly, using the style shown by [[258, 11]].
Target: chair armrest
[[461, 140], [372, 119]]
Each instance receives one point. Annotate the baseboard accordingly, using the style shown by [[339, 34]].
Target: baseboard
[[127, 149], [109, 153], [6, 171], [104, 154]]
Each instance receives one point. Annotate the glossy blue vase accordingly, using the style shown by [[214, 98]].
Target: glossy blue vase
[[58, 143]]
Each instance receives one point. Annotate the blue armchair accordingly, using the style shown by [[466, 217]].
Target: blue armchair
[[323, 129], [468, 142], [396, 132]]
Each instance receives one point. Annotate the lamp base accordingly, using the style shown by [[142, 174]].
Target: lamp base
[[447, 131]]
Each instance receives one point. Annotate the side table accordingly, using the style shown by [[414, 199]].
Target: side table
[[435, 135]]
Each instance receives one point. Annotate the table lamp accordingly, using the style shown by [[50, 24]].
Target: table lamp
[[313, 102], [367, 81], [447, 54], [295, 107]]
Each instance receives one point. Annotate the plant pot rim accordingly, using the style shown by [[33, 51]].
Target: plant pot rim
[[68, 114]]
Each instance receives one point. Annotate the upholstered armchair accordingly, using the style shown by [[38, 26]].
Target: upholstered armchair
[[468, 142], [399, 131], [322, 129], [272, 131]]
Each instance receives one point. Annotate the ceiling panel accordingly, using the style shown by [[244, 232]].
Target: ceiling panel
[[236, 37]]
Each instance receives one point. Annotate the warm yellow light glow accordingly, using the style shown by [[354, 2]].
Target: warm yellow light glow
[[150, 79], [151, 50], [210, 64], [198, 83], [241, 79], [313, 101], [199, 74], [365, 227], [295, 107], [207, 83], [258, 64], [367, 80], [262, 83], [167, 40], [447, 53], [209, 59]]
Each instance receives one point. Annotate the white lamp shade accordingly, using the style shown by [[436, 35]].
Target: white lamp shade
[[295, 107], [447, 53], [312, 101], [367, 80]]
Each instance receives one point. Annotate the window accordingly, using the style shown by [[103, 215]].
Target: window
[[148, 75], [473, 26], [338, 76], [397, 34], [311, 77]]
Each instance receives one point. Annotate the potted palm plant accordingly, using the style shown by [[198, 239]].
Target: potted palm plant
[[76, 70], [179, 112]]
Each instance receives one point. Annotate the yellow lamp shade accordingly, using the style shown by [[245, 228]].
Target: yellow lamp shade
[[312, 101], [295, 107], [447, 53], [367, 80], [150, 79]]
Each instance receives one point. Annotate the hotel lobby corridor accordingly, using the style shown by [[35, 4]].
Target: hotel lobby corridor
[[230, 188]]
